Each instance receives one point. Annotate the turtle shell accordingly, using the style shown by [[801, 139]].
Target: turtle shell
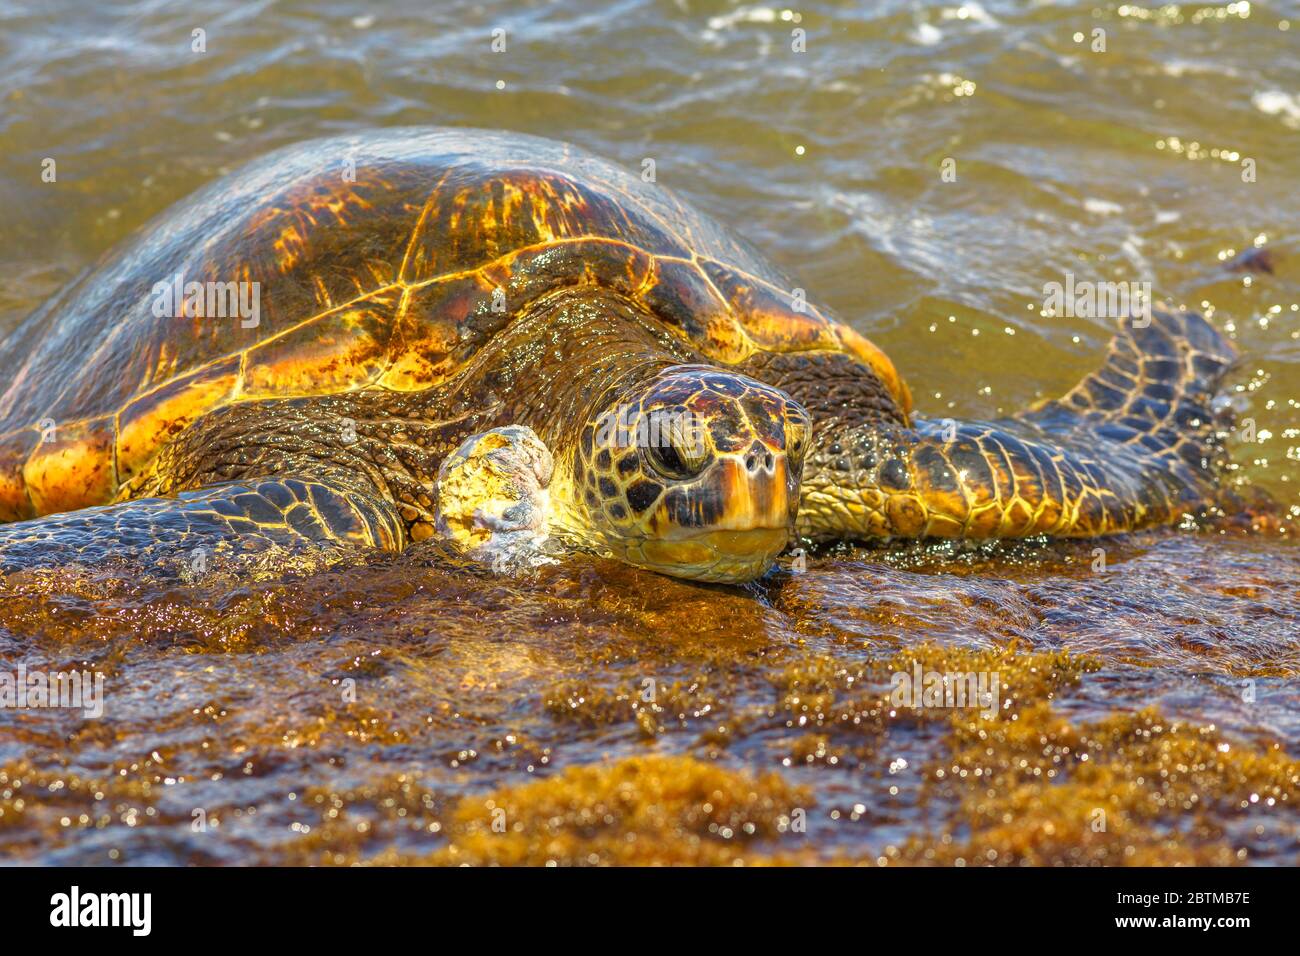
[[381, 260]]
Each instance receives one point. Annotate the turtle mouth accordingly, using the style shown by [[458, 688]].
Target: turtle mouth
[[720, 555]]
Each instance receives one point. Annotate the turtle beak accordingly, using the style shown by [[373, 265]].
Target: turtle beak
[[726, 557], [758, 489]]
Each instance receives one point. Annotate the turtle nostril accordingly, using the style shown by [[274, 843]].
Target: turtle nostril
[[758, 458]]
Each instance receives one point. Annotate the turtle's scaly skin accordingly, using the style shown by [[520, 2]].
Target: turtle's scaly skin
[[420, 286], [1132, 446]]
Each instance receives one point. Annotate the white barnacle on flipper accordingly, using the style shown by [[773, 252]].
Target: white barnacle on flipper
[[493, 498]]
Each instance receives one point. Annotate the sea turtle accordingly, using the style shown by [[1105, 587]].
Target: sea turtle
[[414, 296]]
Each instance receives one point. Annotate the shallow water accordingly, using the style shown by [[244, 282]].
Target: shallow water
[[385, 709]]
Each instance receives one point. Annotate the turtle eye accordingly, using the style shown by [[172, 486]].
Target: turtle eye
[[796, 438], [679, 453]]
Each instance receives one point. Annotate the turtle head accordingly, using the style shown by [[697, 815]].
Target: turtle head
[[694, 472]]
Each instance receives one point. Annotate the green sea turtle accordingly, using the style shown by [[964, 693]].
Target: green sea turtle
[[403, 299]]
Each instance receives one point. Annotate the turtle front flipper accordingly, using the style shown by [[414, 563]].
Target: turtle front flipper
[[221, 525], [493, 499], [1132, 446]]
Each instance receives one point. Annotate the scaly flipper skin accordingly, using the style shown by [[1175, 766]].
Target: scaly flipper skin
[[203, 530], [1133, 445]]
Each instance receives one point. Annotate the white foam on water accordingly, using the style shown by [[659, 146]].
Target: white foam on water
[[743, 15], [926, 35], [971, 12], [1132, 249], [1101, 207], [1278, 103], [1177, 68], [727, 22]]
